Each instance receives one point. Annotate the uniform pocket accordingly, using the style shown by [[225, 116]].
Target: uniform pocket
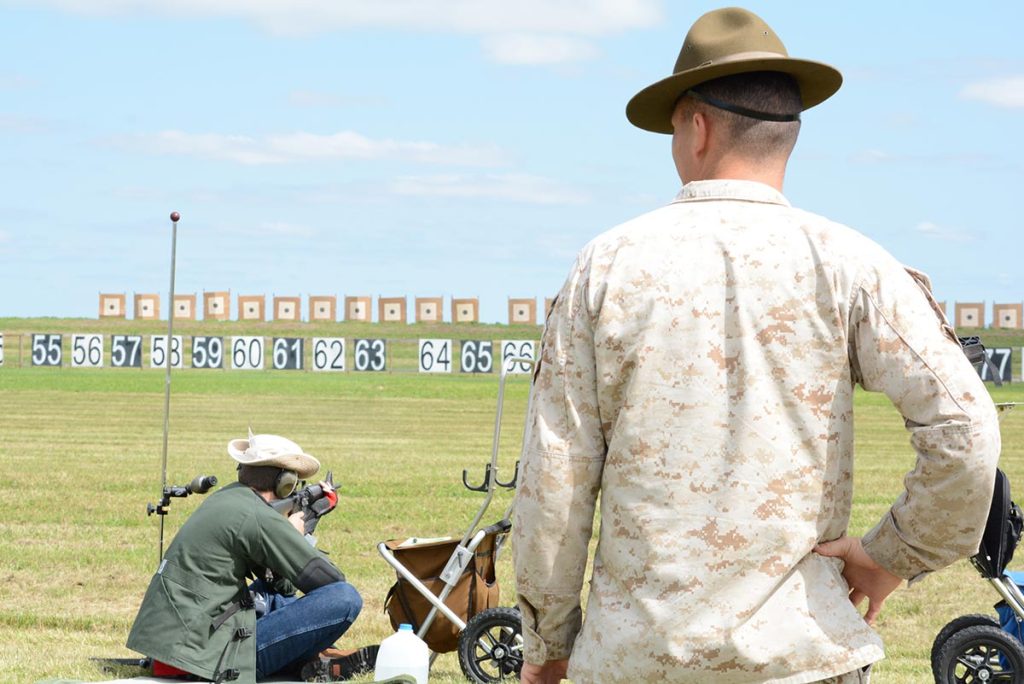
[[187, 597]]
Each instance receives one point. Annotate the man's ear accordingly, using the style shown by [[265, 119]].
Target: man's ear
[[700, 134]]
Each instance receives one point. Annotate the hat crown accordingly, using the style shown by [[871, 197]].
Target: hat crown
[[271, 446], [726, 33]]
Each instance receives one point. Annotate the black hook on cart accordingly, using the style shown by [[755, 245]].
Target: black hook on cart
[[511, 484], [487, 480]]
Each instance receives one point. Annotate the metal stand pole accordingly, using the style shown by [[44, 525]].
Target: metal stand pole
[[175, 217]]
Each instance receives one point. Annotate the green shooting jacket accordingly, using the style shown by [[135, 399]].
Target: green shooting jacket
[[193, 615]]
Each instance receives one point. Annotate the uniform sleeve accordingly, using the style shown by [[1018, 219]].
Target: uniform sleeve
[[901, 345], [562, 462], [273, 543]]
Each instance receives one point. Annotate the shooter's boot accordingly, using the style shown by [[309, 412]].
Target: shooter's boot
[[334, 665]]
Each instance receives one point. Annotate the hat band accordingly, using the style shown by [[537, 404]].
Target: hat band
[[742, 111], [752, 55]]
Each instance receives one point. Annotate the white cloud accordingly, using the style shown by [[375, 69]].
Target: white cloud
[[273, 229], [472, 17], [931, 230], [298, 147], [320, 99], [586, 17], [872, 157], [11, 81], [522, 188], [532, 49], [23, 124], [1002, 92]]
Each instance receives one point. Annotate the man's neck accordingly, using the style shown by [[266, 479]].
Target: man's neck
[[772, 174]]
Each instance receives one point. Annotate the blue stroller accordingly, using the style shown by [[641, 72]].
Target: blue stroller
[[978, 648]]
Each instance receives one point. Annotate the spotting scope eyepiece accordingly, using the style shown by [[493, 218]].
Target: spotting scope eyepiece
[[202, 484]]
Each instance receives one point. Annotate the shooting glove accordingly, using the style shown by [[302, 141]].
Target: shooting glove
[[319, 508]]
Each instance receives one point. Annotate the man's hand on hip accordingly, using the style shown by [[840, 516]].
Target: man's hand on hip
[[551, 672], [867, 579]]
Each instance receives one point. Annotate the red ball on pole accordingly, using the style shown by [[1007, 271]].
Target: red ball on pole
[[175, 216]]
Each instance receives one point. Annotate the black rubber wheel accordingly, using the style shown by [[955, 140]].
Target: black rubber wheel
[[491, 646], [953, 626], [981, 654]]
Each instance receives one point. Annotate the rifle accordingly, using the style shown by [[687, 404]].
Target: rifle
[[313, 501], [976, 354]]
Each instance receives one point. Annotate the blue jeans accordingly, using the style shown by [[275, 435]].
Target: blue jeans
[[295, 630]]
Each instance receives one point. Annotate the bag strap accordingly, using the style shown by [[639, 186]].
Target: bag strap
[[974, 350], [403, 601]]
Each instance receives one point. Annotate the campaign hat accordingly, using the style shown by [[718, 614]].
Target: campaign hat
[[726, 42]]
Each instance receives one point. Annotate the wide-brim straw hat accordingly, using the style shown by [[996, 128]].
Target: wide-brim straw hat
[[726, 42], [275, 451]]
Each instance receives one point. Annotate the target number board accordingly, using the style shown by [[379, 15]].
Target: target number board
[[512, 349], [158, 355], [86, 351], [246, 353], [370, 355], [288, 353], [435, 356], [476, 356], [1002, 359], [126, 351], [329, 354], [207, 352], [46, 350]]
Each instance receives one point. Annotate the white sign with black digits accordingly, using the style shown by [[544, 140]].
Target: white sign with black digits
[[288, 352], [477, 356], [511, 349], [126, 351], [370, 355], [86, 350], [158, 352], [435, 356], [207, 352], [1, 349], [329, 354], [246, 353], [46, 350], [1001, 358]]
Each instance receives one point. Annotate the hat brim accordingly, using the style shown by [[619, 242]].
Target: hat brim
[[301, 463], [651, 109]]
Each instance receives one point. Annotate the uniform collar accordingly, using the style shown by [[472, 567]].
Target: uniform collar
[[742, 190]]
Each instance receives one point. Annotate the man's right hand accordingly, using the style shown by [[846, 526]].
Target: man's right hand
[[867, 579], [551, 672]]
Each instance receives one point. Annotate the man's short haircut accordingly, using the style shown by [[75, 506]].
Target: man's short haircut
[[260, 478], [763, 91]]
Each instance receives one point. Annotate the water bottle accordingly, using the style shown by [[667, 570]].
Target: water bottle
[[403, 653]]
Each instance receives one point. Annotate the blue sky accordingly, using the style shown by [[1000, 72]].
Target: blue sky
[[460, 147]]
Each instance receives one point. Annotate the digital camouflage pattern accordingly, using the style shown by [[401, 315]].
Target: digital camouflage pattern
[[697, 371]]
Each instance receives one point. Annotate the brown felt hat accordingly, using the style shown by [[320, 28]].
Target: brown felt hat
[[726, 42]]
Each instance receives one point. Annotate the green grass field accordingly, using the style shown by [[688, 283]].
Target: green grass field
[[81, 448]]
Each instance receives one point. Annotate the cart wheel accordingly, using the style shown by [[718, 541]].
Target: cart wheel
[[491, 646], [953, 626], [981, 654]]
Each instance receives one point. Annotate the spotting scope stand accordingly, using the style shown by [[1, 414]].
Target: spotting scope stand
[[199, 485]]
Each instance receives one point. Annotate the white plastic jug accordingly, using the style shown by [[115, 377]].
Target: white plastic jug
[[403, 653]]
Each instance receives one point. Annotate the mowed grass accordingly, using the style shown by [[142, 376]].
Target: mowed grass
[[80, 453]]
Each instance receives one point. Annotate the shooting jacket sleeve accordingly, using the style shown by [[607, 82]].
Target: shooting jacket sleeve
[[560, 477], [273, 543], [901, 344]]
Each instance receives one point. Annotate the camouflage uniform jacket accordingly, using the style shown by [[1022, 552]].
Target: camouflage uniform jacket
[[697, 371]]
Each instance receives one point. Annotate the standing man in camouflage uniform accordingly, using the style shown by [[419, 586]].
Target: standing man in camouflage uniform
[[697, 371]]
